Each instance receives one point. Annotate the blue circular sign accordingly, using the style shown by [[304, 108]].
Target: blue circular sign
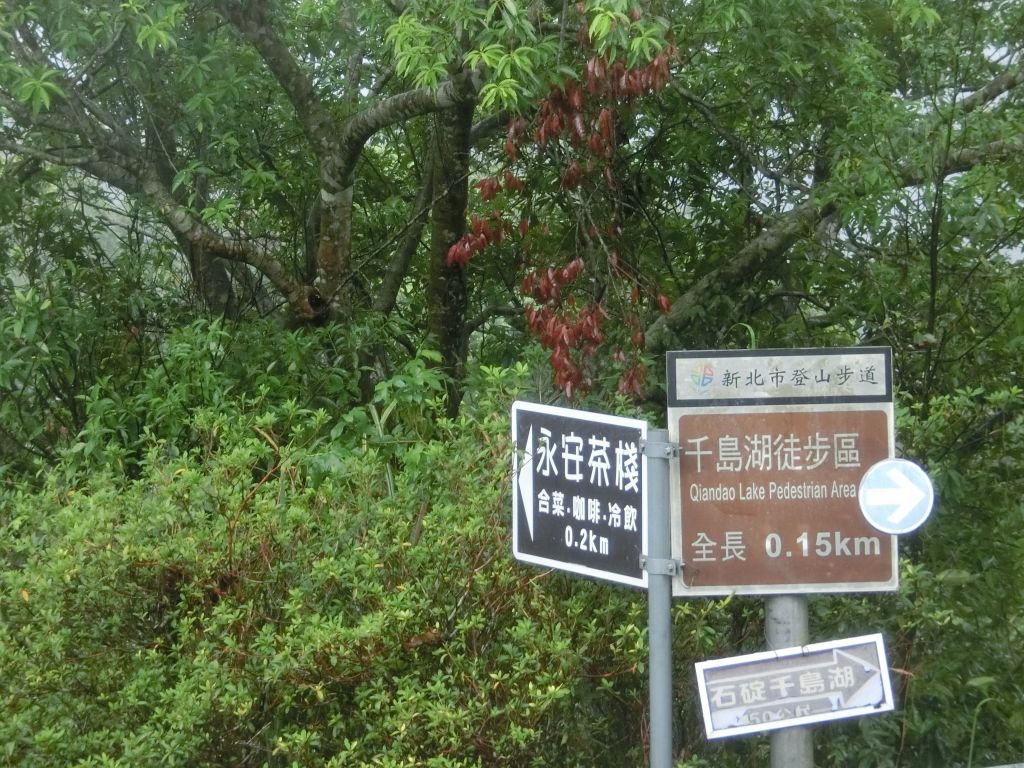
[[896, 496]]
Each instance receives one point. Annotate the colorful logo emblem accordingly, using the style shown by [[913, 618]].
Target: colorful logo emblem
[[703, 376]]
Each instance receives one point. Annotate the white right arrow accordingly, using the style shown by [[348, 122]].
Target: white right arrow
[[905, 496]]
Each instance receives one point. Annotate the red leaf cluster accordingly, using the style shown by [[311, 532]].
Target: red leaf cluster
[[567, 111], [571, 337], [482, 232], [585, 116], [571, 334], [632, 381], [573, 176], [615, 79], [513, 183], [546, 286], [489, 188], [584, 113], [516, 130]]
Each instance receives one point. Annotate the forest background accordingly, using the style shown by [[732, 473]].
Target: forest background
[[272, 273]]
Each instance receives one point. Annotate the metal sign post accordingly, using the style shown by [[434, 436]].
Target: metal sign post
[[660, 569], [785, 619], [590, 495], [772, 448], [757, 487]]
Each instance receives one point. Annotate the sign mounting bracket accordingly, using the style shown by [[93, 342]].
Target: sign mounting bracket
[[659, 566], [653, 449]]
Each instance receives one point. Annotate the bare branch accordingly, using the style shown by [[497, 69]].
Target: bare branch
[[707, 111], [489, 125], [962, 160], [761, 252], [185, 225], [95, 63], [71, 117], [385, 77], [54, 155], [495, 310]]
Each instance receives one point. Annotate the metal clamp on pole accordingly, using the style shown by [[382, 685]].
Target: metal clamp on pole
[[658, 449], [659, 566]]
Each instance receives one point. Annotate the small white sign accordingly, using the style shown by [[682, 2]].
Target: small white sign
[[794, 686]]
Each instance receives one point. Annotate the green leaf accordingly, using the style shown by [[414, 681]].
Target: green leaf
[[600, 26], [985, 681], [38, 88]]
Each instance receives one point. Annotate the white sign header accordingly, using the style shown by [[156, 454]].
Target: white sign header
[[779, 376]]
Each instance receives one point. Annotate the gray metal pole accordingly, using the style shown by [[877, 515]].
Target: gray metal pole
[[785, 627], [659, 597]]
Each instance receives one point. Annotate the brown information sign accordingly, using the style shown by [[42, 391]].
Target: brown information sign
[[772, 447]]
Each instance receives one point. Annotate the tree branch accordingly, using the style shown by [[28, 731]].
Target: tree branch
[[404, 106], [489, 125], [962, 160], [495, 310], [185, 225], [995, 88], [385, 77], [734, 141], [776, 239], [387, 295], [769, 246], [54, 155], [250, 19]]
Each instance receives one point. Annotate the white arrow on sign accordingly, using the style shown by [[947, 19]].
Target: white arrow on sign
[[525, 480], [896, 496], [904, 495]]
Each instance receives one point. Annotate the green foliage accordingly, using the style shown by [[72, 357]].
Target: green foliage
[[70, 312], [231, 606], [38, 88], [421, 50], [157, 30], [227, 543]]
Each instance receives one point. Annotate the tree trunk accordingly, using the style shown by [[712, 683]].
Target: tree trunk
[[447, 288], [211, 279]]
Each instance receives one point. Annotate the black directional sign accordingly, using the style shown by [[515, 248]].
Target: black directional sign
[[794, 686], [579, 495]]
